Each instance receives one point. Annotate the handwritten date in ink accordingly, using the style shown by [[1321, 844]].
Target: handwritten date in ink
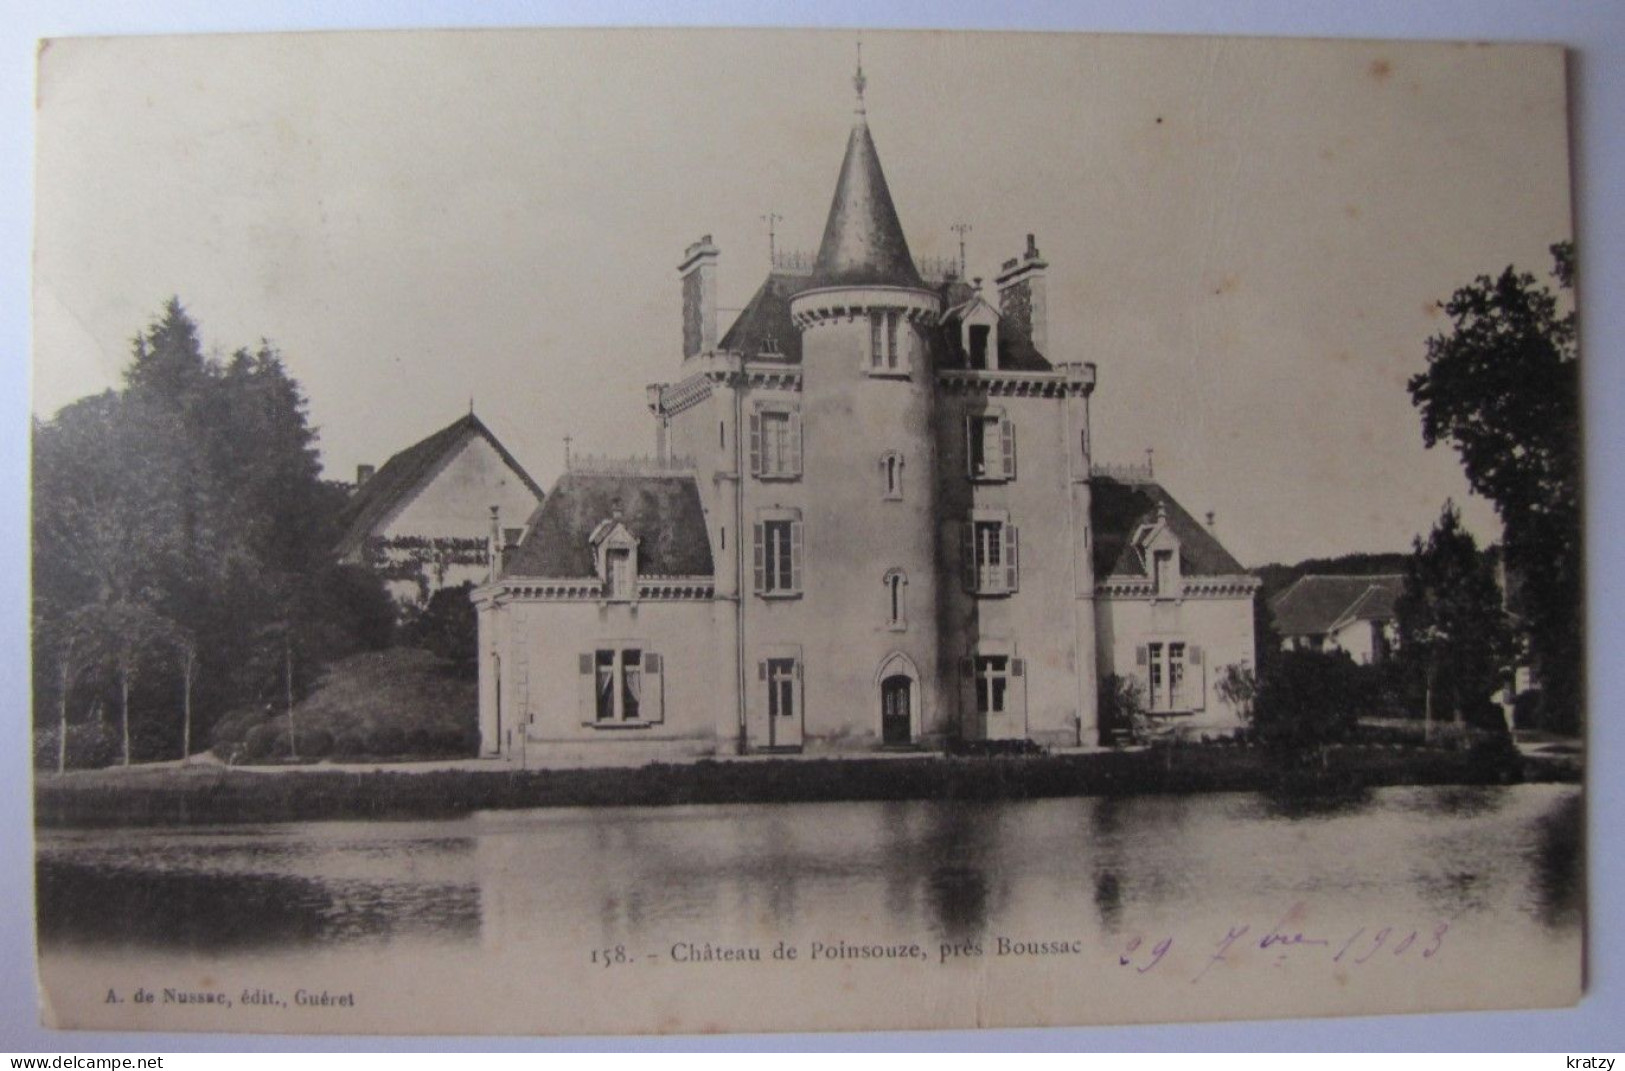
[[1287, 938]]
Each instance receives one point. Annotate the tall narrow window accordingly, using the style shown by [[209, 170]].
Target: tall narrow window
[[1162, 562], [619, 562], [775, 443], [979, 335], [885, 352], [891, 474], [896, 584], [1176, 676], [992, 565], [778, 556], [604, 692], [990, 447], [631, 684], [891, 340], [781, 687], [1156, 689], [992, 683]]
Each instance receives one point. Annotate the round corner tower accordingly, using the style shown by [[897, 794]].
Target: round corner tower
[[868, 397]]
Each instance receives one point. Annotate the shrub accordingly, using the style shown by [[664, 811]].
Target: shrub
[[386, 741], [267, 740], [349, 744], [314, 743], [1122, 711], [1310, 699], [90, 746]]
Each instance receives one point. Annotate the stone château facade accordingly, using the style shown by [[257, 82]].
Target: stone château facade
[[872, 522]]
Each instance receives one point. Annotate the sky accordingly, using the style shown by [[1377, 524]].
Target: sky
[[1248, 237]]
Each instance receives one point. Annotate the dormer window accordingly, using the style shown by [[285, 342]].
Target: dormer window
[[615, 551], [1162, 570], [979, 335]]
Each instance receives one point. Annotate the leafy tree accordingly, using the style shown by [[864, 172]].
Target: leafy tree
[[449, 627], [182, 537], [1310, 700], [1238, 686], [1503, 387], [1452, 627]]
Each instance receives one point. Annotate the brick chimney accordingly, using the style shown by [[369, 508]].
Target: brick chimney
[[363, 473], [699, 274], [1024, 296]]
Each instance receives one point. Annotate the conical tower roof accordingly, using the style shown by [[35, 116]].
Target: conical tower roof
[[863, 242]]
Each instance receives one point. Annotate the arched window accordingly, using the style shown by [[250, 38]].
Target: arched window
[[891, 475], [896, 584]]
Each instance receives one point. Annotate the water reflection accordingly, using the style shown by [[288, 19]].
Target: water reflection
[[512, 882]]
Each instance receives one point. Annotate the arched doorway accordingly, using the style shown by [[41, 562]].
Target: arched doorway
[[896, 701], [898, 685]]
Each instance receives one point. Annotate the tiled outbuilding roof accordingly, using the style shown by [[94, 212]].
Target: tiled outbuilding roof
[[1118, 509], [663, 512], [404, 474], [1315, 605]]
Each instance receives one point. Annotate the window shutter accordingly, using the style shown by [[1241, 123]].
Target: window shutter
[[967, 553], [1007, 433], [971, 430], [586, 700], [795, 556], [967, 667], [1018, 689], [1012, 561], [1201, 679], [654, 688], [759, 550], [1141, 656], [756, 444], [761, 671], [794, 465], [1195, 655]]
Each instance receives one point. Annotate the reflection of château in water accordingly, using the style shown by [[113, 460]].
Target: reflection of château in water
[[872, 522]]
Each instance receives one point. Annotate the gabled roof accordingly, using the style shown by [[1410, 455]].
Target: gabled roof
[[375, 501], [863, 241], [1315, 605], [1118, 510], [1016, 349], [663, 512]]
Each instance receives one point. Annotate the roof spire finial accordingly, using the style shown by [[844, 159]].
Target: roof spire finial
[[858, 80]]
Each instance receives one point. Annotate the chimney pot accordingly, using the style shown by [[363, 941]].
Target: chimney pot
[[363, 473]]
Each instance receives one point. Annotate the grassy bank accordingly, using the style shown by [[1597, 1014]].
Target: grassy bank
[[219, 795]]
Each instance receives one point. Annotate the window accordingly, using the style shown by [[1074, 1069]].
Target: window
[[781, 688], [618, 573], [1173, 679], [775, 443], [1162, 568], [992, 683], [989, 550], [778, 556], [622, 685], [979, 335], [990, 446], [896, 581], [885, 355], [891, 475]]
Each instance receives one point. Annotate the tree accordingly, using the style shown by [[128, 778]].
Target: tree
[[1238, 686], [1503, 387], [190, 507], [1310, 700], [1452, 627]]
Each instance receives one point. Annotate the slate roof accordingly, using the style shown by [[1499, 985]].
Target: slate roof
[[1016, 349], [375, 501], [1315, 605], [863, 241], [764, 331], [663, 512], [1117, 509]]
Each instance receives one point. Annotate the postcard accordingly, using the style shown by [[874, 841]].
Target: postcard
[[565, 532]]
